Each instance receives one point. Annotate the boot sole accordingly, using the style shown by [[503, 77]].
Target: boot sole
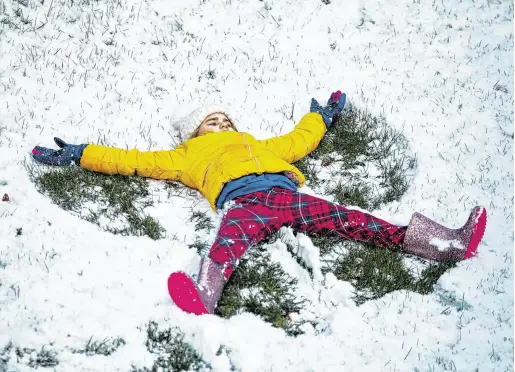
[[184, 294], [477, 233]]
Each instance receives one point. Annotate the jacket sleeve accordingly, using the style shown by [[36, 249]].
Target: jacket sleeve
[[301, 141], [167, 165]]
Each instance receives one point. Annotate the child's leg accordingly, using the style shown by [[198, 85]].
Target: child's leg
[[422, 237], [309, 213], [249, 221], [244, 225]]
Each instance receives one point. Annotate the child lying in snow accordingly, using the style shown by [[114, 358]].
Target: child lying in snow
[[257, 176]]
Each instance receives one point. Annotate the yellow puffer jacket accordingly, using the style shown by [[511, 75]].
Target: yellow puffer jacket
[[207, 162]]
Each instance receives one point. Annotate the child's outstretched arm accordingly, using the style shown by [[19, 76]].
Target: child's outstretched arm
[[162, 164], [309, 131], [165, 164], [301, 141]]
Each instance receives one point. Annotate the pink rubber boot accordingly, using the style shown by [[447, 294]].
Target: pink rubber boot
[[198, 298], [428, 239]]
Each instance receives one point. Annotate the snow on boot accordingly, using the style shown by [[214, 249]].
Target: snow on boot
[[428, 239], [198, 298]]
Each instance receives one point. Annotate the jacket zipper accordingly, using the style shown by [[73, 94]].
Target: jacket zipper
[[207, 170], [250, 151]]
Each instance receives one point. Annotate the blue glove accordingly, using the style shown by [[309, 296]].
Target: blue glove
[[63, 156], [334, 107]]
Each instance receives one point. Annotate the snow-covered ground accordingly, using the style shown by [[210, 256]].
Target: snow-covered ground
[[119, 72]]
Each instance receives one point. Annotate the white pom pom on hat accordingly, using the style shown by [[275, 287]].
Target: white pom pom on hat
[[185, 125]]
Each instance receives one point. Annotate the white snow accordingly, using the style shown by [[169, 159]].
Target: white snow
[[445, 244], [118, 73]]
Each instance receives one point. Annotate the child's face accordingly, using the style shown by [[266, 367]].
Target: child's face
[[216, 122]]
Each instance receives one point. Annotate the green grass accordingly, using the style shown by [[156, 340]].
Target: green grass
[[115, 203], [375, 272], [369, 162], [105, 347], [172, 351], [261, 286], [200, 245], [46, 357], [202, 221]]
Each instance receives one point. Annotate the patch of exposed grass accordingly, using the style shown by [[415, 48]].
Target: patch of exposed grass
[[45, 357], [105, 347], [5, 355], [367, 162], [310, 170], [174, 354], [327, 243], [262, 287], [113, 202], [202, 221], [375, 272], [200, 245]]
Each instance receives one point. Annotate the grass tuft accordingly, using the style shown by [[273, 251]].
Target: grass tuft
[[174, 354], [262, 287], [113, 202], [46, 357], [5, 355], [105, 347], [202, 221], [200, 245]]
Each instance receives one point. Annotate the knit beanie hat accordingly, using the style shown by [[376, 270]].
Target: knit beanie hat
[[185, 125]]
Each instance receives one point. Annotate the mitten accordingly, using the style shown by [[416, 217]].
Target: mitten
[[334, 107], [62, 156]]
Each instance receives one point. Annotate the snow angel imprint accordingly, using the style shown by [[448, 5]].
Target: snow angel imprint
[[258, 177]]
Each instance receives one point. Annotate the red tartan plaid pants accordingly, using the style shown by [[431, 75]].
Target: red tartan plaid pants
[[256, 216]]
